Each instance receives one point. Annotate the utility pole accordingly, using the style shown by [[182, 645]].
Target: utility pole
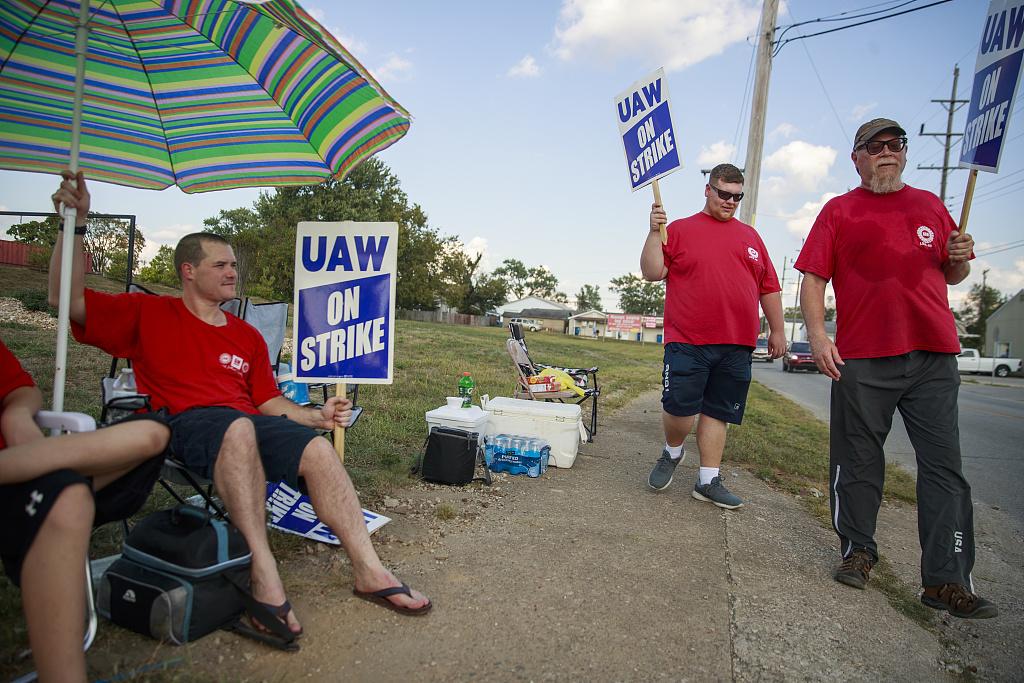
[[951, 105], [755, 137], [782, 290]]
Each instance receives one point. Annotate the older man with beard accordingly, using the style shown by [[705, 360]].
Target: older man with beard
[[890, 251]]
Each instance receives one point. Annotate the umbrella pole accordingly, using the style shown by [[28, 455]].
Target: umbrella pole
[[68, 241]]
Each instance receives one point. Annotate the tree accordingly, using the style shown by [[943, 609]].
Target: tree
[[543, 283], [265, 235], [637, 295], [40, 233], [160, 269], [979, 304], [515, 275], [465, 289], [107, 237], [589, 297]]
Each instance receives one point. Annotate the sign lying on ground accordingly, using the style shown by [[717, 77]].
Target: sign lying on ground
[[345, 277], [291, 511], [645, 124], [996, 75]]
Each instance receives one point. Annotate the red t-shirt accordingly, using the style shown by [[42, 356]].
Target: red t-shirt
[[717, 273], [179, 360], [12, 376], [884, 254]]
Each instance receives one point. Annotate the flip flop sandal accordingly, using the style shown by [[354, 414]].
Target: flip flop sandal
[[381, 598], [280, 612]]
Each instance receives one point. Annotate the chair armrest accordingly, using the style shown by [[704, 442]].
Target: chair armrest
[[65, 421]]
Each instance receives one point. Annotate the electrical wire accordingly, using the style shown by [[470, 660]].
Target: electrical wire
[[824, 90], [781, 43], [1000, 248], [744, 101]]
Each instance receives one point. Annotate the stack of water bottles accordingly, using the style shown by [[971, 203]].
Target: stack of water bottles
[[517, 454]]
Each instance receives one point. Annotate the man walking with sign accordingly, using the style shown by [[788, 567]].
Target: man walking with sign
[[717, 271], [890, 251], [229, 422]]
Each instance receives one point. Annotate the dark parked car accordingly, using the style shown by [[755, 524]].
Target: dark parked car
[[798, 357]]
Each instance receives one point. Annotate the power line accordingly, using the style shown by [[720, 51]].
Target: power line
[[822, 84], [780, 44], [1000, 247]]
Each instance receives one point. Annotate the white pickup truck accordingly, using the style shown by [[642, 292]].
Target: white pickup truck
[[970, 361]]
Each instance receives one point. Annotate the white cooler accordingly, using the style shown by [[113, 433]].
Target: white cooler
[[471, 419], [560, 424]]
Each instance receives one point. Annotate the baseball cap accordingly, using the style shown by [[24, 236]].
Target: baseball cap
[[873, 128]]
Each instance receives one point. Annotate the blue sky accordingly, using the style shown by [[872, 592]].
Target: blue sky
[[514, 145]]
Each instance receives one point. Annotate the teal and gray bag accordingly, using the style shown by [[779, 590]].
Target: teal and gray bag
[[183, 574]]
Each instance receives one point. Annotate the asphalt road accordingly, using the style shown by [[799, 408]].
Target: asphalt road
[[991, 431]]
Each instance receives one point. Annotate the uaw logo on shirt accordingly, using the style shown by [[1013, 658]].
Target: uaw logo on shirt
[[233, 362], [926, 236], [752, 253]]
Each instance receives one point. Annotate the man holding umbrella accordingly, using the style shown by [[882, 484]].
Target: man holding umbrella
[[229, 421]]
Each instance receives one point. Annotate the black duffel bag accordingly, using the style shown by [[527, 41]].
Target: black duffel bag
[[451, 456], [183, 574]]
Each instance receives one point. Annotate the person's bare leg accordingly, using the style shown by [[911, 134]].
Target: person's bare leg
[[337, 505], [710, 441], [676, 428], [242, 485], [115, 449], [53, 587]]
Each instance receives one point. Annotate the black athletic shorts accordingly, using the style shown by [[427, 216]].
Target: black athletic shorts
[[196, 436], [711, 379], [24, 506]]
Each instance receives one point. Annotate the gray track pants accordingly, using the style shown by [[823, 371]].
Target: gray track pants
[[924, 387]]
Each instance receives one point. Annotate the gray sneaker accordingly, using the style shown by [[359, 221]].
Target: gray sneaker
[[661, 475], [716, 493]]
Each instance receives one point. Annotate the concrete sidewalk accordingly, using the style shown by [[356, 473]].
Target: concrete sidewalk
[[587, 575]]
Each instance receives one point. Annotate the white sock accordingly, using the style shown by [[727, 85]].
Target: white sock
[[674, 452], [706, 474]]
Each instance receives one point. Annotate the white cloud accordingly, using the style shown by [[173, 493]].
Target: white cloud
[[718, 153], [804, 165], [475, 247], [525, 68], [783, 130], [351, 43], [800, 221], [167, 235], [861, 111], [676, 33], [396, 68]]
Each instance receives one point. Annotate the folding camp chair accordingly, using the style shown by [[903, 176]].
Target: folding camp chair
[[584, 378]]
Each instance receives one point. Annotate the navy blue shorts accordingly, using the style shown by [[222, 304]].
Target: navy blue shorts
[[711, 379], [196, 436], [24, 506]]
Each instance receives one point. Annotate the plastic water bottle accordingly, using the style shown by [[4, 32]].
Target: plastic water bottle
[[125, 381], [489, 450], [531, 457], [516, 462], [502, 446], [466, 386], [544, 453]]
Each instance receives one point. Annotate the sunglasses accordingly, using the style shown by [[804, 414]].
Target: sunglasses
[[874, 147], [726, 196]]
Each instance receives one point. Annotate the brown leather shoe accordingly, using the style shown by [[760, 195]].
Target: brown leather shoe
[[958, 601], [854, 569]]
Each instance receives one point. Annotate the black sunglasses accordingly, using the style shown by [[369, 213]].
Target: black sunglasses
[[874, 147], [726, 196]]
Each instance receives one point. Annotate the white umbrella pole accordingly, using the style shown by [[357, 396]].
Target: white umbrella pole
[[68, 241]]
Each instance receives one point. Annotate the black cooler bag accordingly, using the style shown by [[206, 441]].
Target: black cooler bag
[[182, 574]]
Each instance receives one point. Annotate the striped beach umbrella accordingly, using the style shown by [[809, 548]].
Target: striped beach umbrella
[[203, 94]]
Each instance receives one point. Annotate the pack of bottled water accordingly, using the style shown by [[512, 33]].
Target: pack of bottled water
[[517, 454]]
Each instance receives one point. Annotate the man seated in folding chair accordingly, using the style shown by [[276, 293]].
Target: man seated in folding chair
[[52, 492], [580, 384], [229, 422]]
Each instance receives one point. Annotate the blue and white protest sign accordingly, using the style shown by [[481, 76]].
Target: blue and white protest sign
[[645, 124], [344, 324], [291, 511], [996, 75]]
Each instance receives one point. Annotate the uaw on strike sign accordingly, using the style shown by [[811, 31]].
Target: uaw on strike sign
[[996, 75], [645, 124], [344, 324]]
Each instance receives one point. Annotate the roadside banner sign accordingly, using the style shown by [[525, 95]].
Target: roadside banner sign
[[645, 124], [624, 322], [344, 324], [996, 75]]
